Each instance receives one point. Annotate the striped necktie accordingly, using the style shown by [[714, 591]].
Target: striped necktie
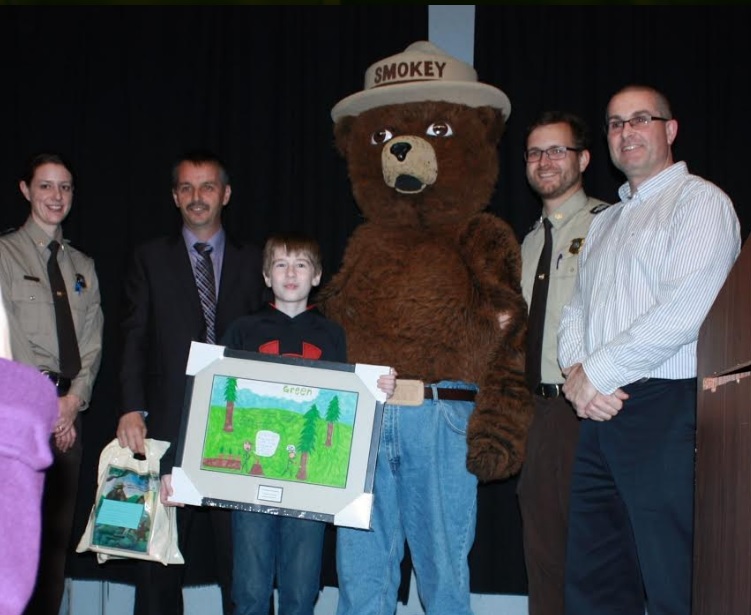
[[206, 284]]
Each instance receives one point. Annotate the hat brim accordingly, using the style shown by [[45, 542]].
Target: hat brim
[[459, 92]]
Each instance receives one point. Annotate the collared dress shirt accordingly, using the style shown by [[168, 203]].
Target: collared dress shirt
[[648, 275], [31, 313]]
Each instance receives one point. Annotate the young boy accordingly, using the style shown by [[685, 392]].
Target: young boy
[[264, 544]]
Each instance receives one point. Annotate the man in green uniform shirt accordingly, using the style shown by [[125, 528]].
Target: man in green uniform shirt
[[33, 319], [556, 155]]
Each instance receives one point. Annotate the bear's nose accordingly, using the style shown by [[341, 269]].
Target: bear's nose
[[400, 150]]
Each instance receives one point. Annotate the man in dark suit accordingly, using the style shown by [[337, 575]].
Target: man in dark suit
[[166, 309]]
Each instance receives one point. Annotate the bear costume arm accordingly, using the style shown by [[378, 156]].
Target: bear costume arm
[[496, 434]]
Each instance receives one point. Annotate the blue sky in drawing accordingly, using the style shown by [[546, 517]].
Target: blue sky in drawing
[[297, 398]]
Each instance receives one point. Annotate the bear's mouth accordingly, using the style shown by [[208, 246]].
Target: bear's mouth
[[408, 184]]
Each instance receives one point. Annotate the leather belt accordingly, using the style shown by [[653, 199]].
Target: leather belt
[[62, 384], [450, 394], [549, 391]]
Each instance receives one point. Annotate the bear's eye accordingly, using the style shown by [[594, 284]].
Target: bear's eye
[[439, 129], [381, 136]]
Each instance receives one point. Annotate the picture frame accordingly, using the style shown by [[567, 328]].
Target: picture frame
[[279, 435]]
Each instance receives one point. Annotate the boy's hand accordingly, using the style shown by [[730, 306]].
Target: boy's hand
[[387, 382], [165, 490]]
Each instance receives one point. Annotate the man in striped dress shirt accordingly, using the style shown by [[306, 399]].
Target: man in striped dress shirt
[[648, 275]]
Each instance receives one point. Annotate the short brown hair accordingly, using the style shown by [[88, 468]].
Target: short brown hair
[[198, 158], [661, 101], [37, 160], [290, 243], [579, 128]]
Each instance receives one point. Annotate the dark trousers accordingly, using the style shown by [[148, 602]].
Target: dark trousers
[[543, 492], [159, 588], [58, 508], [631, 512]]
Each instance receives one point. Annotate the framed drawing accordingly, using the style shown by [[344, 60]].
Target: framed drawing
[[279, 435]]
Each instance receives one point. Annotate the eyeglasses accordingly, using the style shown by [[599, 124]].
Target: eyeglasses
[[638, 122], [553, 153]]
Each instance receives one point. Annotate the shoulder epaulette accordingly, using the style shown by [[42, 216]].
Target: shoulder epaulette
[[535, 224], [69, 244], [599, 208]]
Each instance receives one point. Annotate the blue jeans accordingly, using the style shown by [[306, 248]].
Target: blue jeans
[[424, 493], [266, 545]]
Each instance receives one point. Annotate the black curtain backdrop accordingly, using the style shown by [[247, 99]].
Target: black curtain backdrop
[[575, 58]]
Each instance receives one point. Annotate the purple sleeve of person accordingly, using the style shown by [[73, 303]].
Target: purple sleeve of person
[[28, 410]]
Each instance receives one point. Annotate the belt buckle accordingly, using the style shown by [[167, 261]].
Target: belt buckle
[[60, 382], [408, 393], [549, 391], [53, 376]]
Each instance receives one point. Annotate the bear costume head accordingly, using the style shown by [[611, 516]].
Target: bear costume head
[[396, 180], [399, 184], [430, 284]]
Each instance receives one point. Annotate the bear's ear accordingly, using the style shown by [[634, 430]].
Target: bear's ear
[[342, 130], [493, 120]]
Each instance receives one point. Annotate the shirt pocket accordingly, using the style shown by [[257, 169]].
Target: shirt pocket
[[565, 265], [32, 304], [79, 304]]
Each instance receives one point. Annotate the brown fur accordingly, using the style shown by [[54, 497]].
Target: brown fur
[[425, 278]]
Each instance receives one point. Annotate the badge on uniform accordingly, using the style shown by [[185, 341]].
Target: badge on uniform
[[80, 283], [576, 245]]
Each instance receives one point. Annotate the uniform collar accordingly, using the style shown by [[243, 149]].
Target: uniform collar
[[569, 208], [39, 237]]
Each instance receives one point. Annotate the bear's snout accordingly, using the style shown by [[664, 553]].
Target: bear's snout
[[409, 165]]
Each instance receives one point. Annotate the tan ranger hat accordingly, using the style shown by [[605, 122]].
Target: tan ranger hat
[[421, 72]]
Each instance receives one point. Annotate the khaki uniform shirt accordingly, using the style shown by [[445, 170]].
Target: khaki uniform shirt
[[570, 223], [28, 302]]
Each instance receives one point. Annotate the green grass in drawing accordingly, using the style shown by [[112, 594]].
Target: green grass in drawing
[[281, 431]]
